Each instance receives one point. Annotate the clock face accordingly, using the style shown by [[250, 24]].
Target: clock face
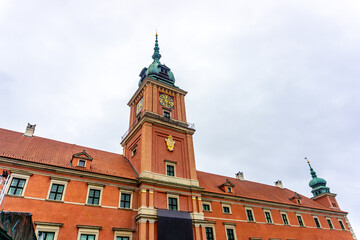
[[166, 101], [139, 106]]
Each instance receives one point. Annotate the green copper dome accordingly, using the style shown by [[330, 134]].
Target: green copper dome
[[156, 70], [317, 184]]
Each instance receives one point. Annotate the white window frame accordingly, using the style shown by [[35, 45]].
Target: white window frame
[[95, 188], [302, 219], [332, 224], [208, 203], [318, 221], [167, 163], [78, 163], [210, 226], [252, 213], [47, 228], [20, 176], [230, 227], [172, 196], [122, 233], [90, 231], [268, 211], [131, 198], [340, 220], [287, 218], [226, 205], [60, 183]]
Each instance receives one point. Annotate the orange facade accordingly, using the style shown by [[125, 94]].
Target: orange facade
[[75, 192]]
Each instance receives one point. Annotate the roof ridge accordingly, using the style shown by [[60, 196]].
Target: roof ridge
[[62, 142]]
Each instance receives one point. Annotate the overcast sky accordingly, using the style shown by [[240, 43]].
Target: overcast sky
[[269, 82]]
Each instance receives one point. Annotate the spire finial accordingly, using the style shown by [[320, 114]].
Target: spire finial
[[156, 56], [312, 172]]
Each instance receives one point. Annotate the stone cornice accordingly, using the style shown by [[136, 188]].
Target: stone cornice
[[161, 121], [166, 181]]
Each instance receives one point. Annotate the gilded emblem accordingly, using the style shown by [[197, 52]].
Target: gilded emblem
[[170, 143]]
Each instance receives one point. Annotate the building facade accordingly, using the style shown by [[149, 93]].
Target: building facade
[[153, 190]]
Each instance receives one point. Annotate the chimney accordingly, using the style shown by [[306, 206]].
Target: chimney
[[30, 129], [279, 184], [240, 176]]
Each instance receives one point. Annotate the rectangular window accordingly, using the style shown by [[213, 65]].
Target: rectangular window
[[125, 200], [122, 238], [173, 204], [341, 225], [167, 114], [229, 189], [17, 186], [268, 217], [330, 223], [226, 209], [284, 218], [249, 214], [299, 218], [46, 236], [81, 163], [230, 234], [317, 223], [94, 197], [56, 192], [206, 207], [170, 170], [209, 233], [87, 237]]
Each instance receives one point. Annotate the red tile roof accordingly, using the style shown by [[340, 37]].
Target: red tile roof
[[253, 190], [46, 151]]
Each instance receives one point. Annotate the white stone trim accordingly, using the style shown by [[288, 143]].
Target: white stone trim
[[95, 188], [230, 227], [173, 196], [122, 233], [131, 197], [88, 231], [252, 213], [170, 164], [208, 203], [268, 211], [57, 182], [226, 205], [20, 176], [47, 228]]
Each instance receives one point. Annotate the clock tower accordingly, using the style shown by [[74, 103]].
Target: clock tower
[[159, 141], [159, 145]]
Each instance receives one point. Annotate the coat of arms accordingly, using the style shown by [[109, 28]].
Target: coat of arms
[[170, 143]]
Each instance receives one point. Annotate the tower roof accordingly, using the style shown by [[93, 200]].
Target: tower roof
[[317, 184], [156, 70]]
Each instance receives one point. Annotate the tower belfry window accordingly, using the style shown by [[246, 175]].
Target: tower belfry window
[[166, 114]]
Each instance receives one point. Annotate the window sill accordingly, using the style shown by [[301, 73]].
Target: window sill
[[209, 211], [251, 221], [11, 195], [92, 205], [227, 213], [270, 223], [127, 209], [51, 200]]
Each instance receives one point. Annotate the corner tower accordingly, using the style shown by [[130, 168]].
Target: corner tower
[[321, 192], [159, 141]]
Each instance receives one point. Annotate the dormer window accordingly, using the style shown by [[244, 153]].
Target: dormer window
[[81, 159], [227, 186], [81, 163], [163, 70]]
